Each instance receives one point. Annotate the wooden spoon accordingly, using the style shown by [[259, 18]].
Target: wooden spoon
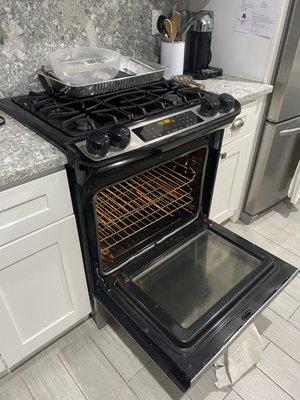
[[176, 23], [169, 29]]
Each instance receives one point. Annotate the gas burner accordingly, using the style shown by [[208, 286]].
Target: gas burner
[[78, 125], [173, 98], [100, 125]]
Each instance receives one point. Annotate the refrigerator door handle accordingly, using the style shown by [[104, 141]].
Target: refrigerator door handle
[[289, 132]]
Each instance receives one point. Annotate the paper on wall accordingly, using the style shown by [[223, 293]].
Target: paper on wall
[[257, 17]]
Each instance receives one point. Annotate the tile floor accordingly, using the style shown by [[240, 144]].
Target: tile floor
[[88, 364]]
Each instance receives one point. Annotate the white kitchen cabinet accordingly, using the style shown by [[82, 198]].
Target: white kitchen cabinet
[[33, 205], [234, 163], [43, 289], [232, 168]]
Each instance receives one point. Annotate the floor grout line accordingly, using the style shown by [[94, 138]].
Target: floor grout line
[[236, 394], [291, 294], [260, 332], [276, 243], [292, 397], [30, 392], [104, 356], [294, 314], [287, 320], [72, 377]]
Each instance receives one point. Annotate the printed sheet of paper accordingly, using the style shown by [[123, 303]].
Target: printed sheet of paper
[[257, 17]]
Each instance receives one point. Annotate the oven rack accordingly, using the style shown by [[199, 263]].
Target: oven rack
[[125, 209]]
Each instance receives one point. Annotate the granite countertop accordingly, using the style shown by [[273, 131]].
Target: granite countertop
[[243, 90], [24, 154]]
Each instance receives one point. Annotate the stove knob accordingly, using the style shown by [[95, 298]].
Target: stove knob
[[226, 102], [210, 106], [98, 144], [119, 137]]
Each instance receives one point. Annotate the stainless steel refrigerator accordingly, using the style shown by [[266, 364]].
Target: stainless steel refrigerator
[[278, 151]]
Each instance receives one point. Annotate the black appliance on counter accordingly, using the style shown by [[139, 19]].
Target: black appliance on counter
[[198, 47], [142, 164]]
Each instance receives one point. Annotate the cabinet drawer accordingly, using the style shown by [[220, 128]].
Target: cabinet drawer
[[243, 125], [33, 205]]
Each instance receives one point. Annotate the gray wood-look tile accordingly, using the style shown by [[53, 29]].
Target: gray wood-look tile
[[65, 340], [293, 289], [290, 224], [122, 351], [270, 230], [284, 305], [151, 384], [16, 390], [282, 369], [92, 371], [280, 332], [8, 378], [253, 237], [233, 396], [256, 382], [264, 242], [292, 244], [295, 319], [205, 388], [47, 379], [286, 256]]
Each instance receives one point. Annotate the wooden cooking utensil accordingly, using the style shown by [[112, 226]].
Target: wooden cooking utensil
[[176, 23], [169, 28]]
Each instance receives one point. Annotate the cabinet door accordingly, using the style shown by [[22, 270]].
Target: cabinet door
[[43, 289], [232, 169]]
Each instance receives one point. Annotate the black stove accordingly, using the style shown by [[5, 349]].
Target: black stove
[[103, 126]]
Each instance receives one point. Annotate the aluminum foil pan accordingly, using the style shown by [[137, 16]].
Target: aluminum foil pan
[[132, 73]]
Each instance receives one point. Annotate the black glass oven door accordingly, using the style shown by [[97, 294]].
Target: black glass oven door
[[187, 299]]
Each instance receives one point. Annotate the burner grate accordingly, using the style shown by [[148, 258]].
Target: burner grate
[[77, 118]]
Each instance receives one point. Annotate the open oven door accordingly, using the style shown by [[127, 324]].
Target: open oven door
[[186, 306]]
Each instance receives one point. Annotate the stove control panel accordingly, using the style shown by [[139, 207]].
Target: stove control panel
[[167, 125]]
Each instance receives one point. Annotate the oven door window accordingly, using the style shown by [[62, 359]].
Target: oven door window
[[193, 278], [185, 307]]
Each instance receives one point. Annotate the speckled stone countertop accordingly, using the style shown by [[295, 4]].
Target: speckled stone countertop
[[24, 154], [244, 91]]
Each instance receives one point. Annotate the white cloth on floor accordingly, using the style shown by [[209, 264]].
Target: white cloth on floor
[[240, 356], [294, 190]]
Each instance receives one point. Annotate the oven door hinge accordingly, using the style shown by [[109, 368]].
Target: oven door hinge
[[122, 279], [207, 221], [101, 282]]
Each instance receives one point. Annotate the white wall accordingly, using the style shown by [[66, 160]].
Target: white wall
[[243, 55]]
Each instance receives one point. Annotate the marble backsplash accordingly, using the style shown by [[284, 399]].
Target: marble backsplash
[[30, 29]]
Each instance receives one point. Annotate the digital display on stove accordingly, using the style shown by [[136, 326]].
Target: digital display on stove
[[165, 122], [167, 125]]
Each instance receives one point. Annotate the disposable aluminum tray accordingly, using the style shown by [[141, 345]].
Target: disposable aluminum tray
[[132, 73]]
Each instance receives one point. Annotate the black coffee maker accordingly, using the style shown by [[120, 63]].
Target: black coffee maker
[[198, 47]]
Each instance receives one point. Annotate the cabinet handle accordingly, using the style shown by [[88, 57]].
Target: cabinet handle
[[223, 155], [237, 124]]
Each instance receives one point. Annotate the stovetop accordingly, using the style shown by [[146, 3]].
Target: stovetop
[[101, 126]]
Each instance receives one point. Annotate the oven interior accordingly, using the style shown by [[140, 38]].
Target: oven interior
[[148, 205]]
